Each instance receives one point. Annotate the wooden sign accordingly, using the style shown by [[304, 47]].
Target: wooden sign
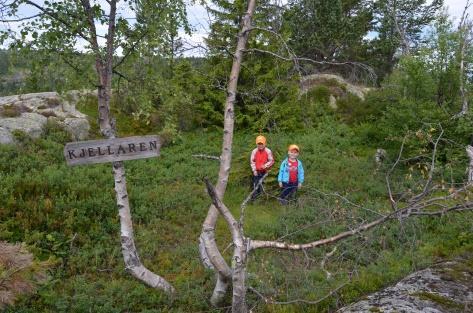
[[111, 150]]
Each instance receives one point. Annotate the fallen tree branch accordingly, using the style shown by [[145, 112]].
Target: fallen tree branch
[[269, 301], [248, 198], [205, 156], [404, 213]]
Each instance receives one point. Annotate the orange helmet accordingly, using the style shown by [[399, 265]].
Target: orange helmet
[[261, 139], [293, 147]]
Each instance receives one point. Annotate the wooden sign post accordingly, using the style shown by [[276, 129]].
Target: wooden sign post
[[114, 150], [111, 150]]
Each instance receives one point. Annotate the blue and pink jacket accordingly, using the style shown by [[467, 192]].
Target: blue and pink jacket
[[283, 176]]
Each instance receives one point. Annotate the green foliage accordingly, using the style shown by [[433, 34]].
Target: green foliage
[[4, 62], [410, 17], [323, 30], [69, 213], [352, 109]]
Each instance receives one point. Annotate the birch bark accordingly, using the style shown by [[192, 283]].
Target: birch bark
[[469, 151], [211, 252], [464, 28], [104, 68]]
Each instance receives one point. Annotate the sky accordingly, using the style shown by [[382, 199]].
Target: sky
[[199, 20]]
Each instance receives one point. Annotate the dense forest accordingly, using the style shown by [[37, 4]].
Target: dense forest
[[375, 93]]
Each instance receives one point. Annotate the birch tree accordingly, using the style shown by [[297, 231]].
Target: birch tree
[[465, 35], [70, 28], [209, 251]]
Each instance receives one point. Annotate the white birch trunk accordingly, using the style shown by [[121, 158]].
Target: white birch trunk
[[469, 151], [239, 275], [103, 65], [208, 229], [462, 80], [130, 255], [464, 27], [239, 253], [402, 34]]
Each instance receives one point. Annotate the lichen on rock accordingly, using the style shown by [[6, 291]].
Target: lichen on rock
[[29, 113], [446, 287]]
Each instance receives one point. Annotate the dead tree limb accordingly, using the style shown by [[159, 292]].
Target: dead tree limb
[[469, 151], [270, 301], [404, 213], [239, 252], [206, 156], [324, 261], [464, 30], [432, 168], [292, 58], [207, 237], [388, 175], [248, 198], [244, 245]]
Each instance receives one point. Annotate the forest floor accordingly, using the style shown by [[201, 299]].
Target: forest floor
[[68, 215]]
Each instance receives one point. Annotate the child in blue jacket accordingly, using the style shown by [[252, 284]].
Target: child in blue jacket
[[291, 174]]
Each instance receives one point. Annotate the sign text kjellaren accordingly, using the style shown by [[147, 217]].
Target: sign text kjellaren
[[111, 150]]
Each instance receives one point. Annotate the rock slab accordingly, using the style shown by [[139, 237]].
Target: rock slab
[[444, 288], [29, 113]]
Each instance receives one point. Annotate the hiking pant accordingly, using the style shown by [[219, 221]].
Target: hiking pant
[[255, 183], [288, 190]]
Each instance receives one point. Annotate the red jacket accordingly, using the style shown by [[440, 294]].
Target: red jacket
[[261, 160]]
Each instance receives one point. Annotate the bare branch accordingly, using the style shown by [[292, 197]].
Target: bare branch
[[325, 259], [240, 251], [371, 73], [248, 198], [431, 171], [205, 156], [404, 212], [269, 301], [21, 19], [227, 215], [207, 235], [92, 33], [464, 28], [388, 184]]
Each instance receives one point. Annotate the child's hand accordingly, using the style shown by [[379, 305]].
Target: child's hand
[[299, 186], [255, 173], [280, 185]]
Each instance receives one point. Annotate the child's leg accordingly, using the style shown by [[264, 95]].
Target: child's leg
[[256, 180], [292, 187], [285, 193]]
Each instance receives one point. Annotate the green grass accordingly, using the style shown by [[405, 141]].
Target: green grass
[[69, 214], [446, 303]]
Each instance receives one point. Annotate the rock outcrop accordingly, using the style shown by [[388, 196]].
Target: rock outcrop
[[29, 113], [337, 85], [443, 288]]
